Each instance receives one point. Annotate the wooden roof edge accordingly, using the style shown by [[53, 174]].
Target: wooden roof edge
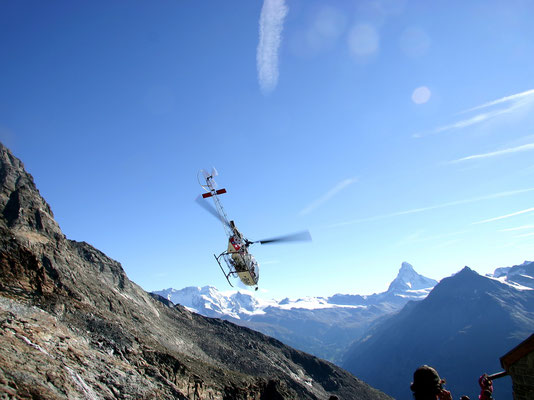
[[519, 351]]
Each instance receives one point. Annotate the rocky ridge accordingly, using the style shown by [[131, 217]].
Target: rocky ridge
[[72, 325]]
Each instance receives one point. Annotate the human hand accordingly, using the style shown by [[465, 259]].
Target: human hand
[[444, 395], [485, 383]]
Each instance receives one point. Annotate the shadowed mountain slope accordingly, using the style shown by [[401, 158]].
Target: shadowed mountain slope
[[462, 328], [72, 325]]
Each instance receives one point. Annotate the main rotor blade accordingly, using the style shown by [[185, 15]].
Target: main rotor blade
[[303, 236], [206, 205]]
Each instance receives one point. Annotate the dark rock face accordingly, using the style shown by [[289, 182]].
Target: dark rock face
[[72, 325], [462, 329]]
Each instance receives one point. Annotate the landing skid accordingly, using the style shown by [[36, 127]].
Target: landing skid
[[226, 275], [232, 272]]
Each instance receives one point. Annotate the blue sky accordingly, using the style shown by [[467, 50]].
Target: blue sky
[[393, 130]]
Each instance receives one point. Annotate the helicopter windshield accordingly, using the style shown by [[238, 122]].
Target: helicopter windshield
[[254, 268]]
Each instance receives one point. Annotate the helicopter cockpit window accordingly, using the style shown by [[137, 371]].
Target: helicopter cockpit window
[[255, 267]]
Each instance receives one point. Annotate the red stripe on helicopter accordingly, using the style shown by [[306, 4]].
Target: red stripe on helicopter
[[220, 191]]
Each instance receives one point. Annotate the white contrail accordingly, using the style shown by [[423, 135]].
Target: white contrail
[[504, 216], [525, 147], [328, 195], [518, 228], [272, 18], [443, 205], [515, 101], [477, 119], [505, 99]]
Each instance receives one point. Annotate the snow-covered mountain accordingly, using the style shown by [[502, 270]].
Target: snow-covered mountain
[[410, 283], [209, 301], [322, 326], [519, 276]]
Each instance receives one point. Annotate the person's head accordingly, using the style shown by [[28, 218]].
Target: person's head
[[426, 383]]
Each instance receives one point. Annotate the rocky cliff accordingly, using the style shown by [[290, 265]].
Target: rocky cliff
[[72, 325]]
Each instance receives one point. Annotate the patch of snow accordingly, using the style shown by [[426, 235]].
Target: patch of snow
[[255, 312], [312, 303], [84, 387], [517, 286], [35, 346], [420, 292]]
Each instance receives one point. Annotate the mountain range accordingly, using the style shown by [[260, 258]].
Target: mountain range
[[462, 328], [73, 326], [321, 326], [461, 325]]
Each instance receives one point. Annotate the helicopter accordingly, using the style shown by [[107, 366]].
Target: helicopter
[[237, 260]]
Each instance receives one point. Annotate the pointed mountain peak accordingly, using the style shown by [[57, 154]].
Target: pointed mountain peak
[[24, 209], [406, 267], [466, 271], [409, 280], [468, 284]]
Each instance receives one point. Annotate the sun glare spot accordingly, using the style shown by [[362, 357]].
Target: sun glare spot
[[329, 22], [363, 40], [414, 42], [421, 95], [327, 25]]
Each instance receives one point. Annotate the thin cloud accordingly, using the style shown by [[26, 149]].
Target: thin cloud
[[328, 195], [413, 237], [525, 147], [506, 99], [512, 102], [477, 119], [504, 216], [525, 235], [423, 209], [517, 228], [442, 236], [272, 18]]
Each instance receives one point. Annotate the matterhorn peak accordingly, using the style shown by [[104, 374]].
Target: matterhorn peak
[[409, 280], [406, 267]]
